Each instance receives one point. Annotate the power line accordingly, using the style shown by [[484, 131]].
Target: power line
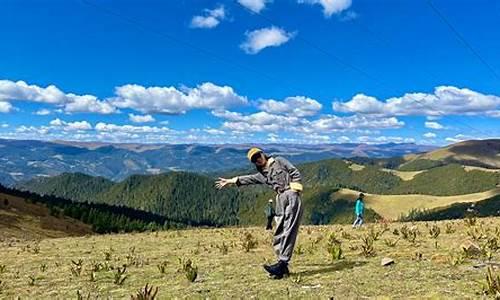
[[189, 45], [361, 71], [462, 39]]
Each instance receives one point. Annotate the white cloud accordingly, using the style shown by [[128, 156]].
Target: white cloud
[[4, 125], [257, 122], [433, 125], [106, 127], [266, 37], [42, 112], [355, 122], [169, 100], [214, 131], [297, 106], [5, 107], [211, 19], [140, 119], [264, 121], [254, 5], [330, 7], [21, 91], [71, 126], [445, 100], [430, 135]]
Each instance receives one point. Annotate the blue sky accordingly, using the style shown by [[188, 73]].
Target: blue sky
[[299, 71]]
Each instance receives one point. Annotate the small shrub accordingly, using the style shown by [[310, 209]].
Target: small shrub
[[248, 242], [76, 267], [391, 243], [43, 267], [449, 229], [491, 286], [375, 234], [334, 247], [147, 293], [223, 248], [190, 271], [3, 268], [162, 267], [434, 231], [119, 275], [367, 246]]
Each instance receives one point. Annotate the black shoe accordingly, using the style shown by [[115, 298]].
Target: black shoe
[[278, 270]]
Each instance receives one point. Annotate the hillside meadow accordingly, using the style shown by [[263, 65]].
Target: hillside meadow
[[429, 262]]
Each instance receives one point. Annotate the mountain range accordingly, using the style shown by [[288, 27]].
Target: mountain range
[[21, 160]]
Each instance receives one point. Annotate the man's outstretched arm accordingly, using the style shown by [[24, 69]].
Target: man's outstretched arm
[[257, 178]]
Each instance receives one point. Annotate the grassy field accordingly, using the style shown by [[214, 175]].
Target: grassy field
[[425, 266], [394, 206]]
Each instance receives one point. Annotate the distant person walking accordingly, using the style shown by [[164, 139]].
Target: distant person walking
[[284, 178], [358, 210], [270, 214]]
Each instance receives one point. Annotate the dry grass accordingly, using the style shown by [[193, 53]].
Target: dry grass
[[30, 221], [404, 175], [422, 268], [393, 206]]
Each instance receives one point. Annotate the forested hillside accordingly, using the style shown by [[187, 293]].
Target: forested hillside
[[192, 199]]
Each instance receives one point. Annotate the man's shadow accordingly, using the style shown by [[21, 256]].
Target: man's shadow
[[338, 266]]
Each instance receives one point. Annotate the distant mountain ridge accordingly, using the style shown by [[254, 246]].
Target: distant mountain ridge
[[21, 160]]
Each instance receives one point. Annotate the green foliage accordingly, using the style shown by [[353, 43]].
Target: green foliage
[[334, 247], [483, 208], [190, 271], [420, 164], [448, 180]]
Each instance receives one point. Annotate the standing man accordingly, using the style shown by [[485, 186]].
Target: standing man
[[270, 214], [284, 178], [358, 210]]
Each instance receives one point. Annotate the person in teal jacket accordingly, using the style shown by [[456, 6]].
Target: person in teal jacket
[[358, 210]]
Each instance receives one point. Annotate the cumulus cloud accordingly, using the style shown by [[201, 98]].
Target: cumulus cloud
[[254, 5], [445, 100], [264, 121], [429, 135], [297, 106], [330, 7], [140, 119], [21, 91], [210, 19], [71, 126], [5, 107], [257, 122], [335, 123], [260, 39], [170, 100], [433, 125]]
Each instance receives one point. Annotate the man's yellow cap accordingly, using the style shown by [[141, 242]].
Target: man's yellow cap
[[252, 152]]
